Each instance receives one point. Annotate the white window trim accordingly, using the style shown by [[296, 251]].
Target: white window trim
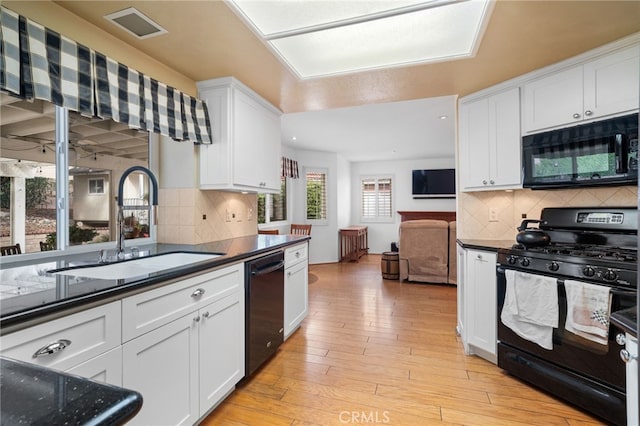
[[103, 186], [325, 171], [378, 219]]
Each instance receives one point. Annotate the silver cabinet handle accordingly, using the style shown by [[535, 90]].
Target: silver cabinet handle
[[484, 182], [206, 315], [52, 348], [197, 293], [627, 356], [621, 339], [289, 273], [196, 319], [588, 113], [491, 182], [297, 254], [479, 256], [576, 115]]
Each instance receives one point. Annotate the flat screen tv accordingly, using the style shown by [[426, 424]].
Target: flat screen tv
[[434, 183]]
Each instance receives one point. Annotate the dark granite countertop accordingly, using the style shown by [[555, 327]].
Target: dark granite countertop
[[490, 245], [29, 291], [627, 320], [33, 395]]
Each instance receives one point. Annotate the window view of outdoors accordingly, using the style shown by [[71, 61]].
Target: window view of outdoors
[[99, 152]]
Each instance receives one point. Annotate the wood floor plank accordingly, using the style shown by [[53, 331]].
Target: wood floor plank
[[382, 350]]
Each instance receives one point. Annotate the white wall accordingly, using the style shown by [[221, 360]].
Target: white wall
[[382, 234]]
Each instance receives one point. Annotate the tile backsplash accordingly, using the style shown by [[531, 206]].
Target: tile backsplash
[[193, 216], [509, 206]]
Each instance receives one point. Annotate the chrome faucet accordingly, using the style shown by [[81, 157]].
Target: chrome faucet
[[120, 218]]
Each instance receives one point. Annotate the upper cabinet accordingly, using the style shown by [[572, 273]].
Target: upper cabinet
[[489, 142], [246, 149], [604, 86]]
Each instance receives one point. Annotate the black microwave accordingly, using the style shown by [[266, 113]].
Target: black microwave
[[599, 153]]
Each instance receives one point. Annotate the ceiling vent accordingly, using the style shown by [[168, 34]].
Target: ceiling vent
[[136, 23]]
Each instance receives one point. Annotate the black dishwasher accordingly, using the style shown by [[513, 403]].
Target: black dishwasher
[[264, 304]]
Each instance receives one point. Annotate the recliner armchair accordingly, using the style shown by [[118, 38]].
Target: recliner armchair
[[424, 250]]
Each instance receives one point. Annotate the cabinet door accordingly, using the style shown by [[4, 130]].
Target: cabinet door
[[460, 289], [221, 339], [256, 152], [105, 368], [163, 366], [553, 100], [474, 144], [611, 83], [296, 296], [505, 137], [480, 299]]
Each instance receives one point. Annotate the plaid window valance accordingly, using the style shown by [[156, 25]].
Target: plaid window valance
[[289, 168], [38, 63]]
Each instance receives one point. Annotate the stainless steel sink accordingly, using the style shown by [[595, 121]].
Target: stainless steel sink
[[139, 267]]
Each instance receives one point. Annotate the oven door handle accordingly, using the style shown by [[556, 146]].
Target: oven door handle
[[623, 292]]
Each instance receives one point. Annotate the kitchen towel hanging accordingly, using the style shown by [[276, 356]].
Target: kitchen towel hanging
[[531, 307], [588, 310]]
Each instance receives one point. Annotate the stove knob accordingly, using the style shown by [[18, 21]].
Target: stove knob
[[525, 262], [610, 275], [512, 260], [553, 266], [588, 271]]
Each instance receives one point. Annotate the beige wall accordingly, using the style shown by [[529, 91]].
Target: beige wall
[[473, 207], [66, 23], [181, 210]]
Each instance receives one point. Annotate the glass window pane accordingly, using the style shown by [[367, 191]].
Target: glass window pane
[[316, 195]]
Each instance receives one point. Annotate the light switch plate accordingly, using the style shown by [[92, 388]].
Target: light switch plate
[[493, 214]]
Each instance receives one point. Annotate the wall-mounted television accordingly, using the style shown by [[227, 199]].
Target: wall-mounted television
[[434, 183]]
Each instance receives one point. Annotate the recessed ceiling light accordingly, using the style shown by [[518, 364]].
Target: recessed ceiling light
[[318, 39], [293, 138], [443, 117], [136, 23]]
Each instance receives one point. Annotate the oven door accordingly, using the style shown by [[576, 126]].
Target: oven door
[[585, 373]]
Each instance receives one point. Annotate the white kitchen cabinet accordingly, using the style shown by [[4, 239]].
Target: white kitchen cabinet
[[71, 341], [480, 292], [296, 287], [105, 368], [188, 338], [163, 366], [460, 288], [221, 349], [246, 149], [601, 87], [489, 142]]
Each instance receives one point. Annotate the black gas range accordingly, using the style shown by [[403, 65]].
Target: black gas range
[[595, 247], [594, 244]]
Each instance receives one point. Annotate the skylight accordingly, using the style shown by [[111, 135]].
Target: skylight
[[324, 38]]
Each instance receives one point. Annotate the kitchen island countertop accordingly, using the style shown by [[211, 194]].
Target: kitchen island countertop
[[35, 395], [29, 291]]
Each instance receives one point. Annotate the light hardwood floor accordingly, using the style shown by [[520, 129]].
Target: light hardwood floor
[[376, 351]]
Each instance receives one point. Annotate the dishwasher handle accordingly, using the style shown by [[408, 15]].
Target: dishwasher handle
[[268, 269]]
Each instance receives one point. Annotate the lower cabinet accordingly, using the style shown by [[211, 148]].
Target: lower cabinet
[[185, 367], [296, 287], [105, 368], [480, 304], [632, 381]]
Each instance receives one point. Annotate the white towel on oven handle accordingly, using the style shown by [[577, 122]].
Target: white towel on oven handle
[[588, 310], [531, 307]]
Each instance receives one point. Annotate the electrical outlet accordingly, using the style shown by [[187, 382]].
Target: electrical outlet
[[493, 214], [228, 215], [249, 213]]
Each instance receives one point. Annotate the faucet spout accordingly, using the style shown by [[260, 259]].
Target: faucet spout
[[120, 218]]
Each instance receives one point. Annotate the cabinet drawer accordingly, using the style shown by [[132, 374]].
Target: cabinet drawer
[[295, 254], [89, 333], [149, 310]]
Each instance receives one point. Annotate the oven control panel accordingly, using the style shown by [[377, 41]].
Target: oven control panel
[[600, 218]]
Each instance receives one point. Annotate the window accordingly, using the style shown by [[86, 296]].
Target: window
[[273, 207], [68, 197], [96, 186], [316, 184], [377, 198]]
